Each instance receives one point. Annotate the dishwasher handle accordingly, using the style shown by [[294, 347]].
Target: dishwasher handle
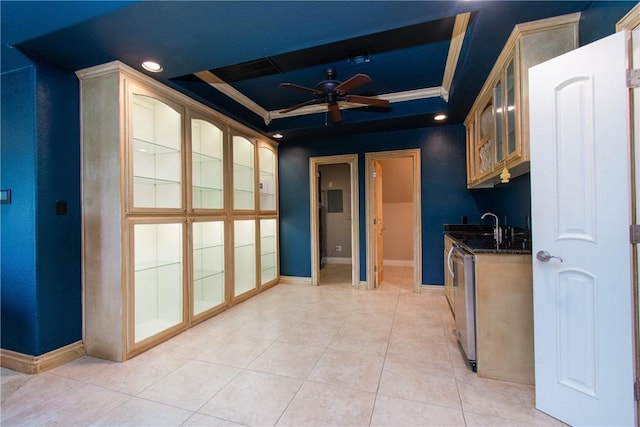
[[449, 259]]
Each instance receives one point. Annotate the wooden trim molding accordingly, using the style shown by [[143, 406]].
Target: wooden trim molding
[[35, 364], [457, 37], [631, 20]]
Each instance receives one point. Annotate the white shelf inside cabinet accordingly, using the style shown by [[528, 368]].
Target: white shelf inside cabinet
[[207, 182], [158, 297]]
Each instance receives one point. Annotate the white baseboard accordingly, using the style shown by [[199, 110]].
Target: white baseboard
[[432, 289], [294, 280], [336, 260], [35, 364], [398, 263]]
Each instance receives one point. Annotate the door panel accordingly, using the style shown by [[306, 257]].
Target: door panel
[[580, 189]]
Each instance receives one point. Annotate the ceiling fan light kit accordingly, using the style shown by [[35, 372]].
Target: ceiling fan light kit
[[332, 91]]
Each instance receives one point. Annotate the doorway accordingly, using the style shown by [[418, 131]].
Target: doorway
[[401, 227], [333, 215]]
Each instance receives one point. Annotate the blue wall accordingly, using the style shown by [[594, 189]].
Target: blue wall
[[445, 198], [41, 258], [17, 172]]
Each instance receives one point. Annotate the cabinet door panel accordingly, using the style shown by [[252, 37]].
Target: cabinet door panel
[[511, 109], [157, 142], [498, 121], [244, 256], [157, 280], [208, 265], [243, 174], [268, 251], [206, 165], [267, 179]]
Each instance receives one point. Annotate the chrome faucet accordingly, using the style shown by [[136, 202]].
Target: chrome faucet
[[496, 229]]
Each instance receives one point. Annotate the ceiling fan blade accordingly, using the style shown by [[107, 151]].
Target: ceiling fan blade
[[352, 83], [303, 104], [302, 88], [375, 102], [335, 113]]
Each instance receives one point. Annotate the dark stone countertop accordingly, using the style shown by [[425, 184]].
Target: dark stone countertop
[[478, 239]]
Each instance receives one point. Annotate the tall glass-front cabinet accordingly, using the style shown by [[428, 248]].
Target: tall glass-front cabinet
[[179, 208]]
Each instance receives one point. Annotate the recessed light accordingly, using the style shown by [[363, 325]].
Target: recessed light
[[439, 117], [152, 66], [277, 135]]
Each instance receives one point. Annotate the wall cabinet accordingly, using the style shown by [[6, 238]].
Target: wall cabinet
[[498, 122], [174, 231]]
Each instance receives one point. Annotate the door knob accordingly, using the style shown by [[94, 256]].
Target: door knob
[[545, 256]]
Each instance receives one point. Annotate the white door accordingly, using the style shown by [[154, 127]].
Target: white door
[[580, 189]]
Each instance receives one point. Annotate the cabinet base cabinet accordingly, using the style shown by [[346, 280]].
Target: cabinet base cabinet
[[504, 317]]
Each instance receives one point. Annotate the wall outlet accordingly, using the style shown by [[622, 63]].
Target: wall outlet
[[338, 248]]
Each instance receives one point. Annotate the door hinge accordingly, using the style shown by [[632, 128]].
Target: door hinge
[[375, 268], [375, 221], [636, 390], [374, 174], [634, 234], [633, 78]]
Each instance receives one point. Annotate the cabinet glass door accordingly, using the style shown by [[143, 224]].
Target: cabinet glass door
[[243, 174], [268, 250], [206, 165], [511, 110], [484, 156], [244, 239], [157, 142], [208, 265], [157, 278], [498, 118], [267, 161]]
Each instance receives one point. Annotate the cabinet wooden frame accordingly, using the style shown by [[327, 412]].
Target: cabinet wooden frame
[[109, 217], [529, 44]]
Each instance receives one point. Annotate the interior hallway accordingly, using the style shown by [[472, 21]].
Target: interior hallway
[[293, 355]]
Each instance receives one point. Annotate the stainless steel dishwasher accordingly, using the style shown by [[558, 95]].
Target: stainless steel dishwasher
[[465, 301]]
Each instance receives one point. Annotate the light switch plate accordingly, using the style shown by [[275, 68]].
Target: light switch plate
[[5, 196]]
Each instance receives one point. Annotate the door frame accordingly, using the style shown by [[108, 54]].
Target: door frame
[[352, 161], [631, 23], [414, 155]]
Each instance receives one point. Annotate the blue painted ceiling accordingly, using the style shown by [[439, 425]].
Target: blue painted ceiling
[[408, 43]]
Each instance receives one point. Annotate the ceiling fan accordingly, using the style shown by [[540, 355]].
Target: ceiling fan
[[332, 91]]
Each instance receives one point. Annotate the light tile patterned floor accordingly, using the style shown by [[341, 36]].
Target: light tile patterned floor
[[293, 355]]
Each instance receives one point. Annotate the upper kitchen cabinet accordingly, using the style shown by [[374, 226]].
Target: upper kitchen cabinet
[[171, 231], [498, 122]]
